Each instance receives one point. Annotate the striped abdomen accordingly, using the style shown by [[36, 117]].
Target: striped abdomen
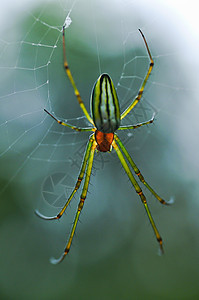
[[105, 107]]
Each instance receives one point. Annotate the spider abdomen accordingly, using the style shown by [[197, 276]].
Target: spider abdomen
[[105, 107]]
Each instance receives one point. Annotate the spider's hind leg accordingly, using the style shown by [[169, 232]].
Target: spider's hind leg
[[140, 93], [69, 74]]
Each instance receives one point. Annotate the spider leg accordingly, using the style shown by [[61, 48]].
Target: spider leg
[[137, 125], [78, 183], [137, 171], [138, 191], [68, 125], [81, 203], [68, 72], [137, 99]]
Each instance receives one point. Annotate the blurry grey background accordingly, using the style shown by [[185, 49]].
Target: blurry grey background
[[114, 253]]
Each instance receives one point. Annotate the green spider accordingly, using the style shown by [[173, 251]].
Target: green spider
[[105, 120]]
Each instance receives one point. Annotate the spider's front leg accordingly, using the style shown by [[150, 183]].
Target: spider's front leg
[[139, 192], [78, 183], [93, 144], [137, 171]]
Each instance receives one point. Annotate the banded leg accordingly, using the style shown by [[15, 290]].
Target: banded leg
[[137, 99], [78, 183], [68, 125], [138, 191], [68, 72], [137, 125], [137, 171], [81, 203]]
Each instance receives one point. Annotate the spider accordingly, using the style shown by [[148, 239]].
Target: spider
[[105, 120]]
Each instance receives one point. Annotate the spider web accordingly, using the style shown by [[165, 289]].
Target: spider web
[[37, 152], [33, 79], [40, 159]]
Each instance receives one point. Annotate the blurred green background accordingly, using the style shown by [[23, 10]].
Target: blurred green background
[[114, 254]]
